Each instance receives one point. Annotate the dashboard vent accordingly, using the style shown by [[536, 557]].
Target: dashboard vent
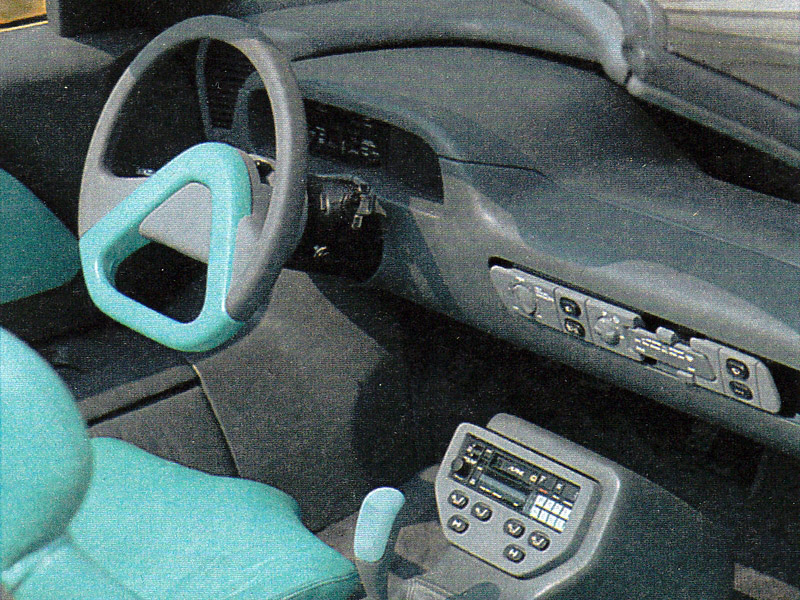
[[226, 70]]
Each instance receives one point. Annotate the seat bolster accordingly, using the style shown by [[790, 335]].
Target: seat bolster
[[45, 456], [59, 571]]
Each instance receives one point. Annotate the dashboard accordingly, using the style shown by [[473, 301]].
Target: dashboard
[[511, 181]]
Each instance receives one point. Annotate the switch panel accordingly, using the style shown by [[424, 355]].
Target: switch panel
[[696, 361], [514, 508]]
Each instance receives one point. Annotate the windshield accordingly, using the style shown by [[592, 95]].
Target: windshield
[[756, 41]]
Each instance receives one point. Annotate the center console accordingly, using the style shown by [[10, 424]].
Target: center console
[[516, 509], [529, 514]]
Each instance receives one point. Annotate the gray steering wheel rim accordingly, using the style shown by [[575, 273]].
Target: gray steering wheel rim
[[257, 266]]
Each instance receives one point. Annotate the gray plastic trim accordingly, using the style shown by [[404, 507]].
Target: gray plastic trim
[[600, 25], [183, 222], [715, 120], [700, 363], [636, 533], [626, 37]]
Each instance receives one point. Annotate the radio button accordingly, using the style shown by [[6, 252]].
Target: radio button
[[458, 524], [481, 512], [514, 528], [570, 493], [539, 541], [547, 482], [458, 499], [514, 553]]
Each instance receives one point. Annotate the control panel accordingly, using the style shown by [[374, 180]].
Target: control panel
[[528, 512], [515, 509], [697, 361]]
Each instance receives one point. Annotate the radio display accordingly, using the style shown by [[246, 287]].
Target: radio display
[[522, 486]]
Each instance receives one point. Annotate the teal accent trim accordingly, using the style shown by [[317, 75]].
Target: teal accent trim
[[116, 236], [167, 532], [375, 523], [45, 457], [37, 253]]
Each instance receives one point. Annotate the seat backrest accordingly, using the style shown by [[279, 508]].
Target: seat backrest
[[37, 252], [45, 456]]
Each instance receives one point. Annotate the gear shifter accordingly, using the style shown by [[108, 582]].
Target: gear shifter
[[375, 536]]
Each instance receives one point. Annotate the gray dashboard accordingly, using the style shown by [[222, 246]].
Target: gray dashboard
[[547, 167]]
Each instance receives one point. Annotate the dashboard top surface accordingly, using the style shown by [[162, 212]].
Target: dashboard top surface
[[570, 124]]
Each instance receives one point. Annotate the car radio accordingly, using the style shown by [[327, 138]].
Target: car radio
[[516, 509], [523, 487]]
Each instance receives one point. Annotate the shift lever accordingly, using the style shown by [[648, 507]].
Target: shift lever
[[374, 539]]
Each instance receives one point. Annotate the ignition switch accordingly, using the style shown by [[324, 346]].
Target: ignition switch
[[344, 232]]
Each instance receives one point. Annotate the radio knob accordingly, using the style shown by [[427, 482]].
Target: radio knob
[[524, 299], [609, 331], [460, 467]]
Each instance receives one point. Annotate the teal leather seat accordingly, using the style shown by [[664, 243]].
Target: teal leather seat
[[37, 252], [100, 519]]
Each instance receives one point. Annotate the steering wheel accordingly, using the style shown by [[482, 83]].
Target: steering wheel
[[251, 237]]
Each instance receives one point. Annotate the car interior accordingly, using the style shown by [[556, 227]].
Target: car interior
[[400, 299]]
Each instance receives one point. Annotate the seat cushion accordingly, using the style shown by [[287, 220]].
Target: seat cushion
[[164, 531]]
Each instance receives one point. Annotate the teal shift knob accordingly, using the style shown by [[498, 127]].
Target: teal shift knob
[[374, 539]]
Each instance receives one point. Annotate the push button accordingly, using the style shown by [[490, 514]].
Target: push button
[[458, 524], [570, 307], [740, 390], [514, 553], [514, 528], [458, 499], [481, 511], [539, 541], [570, 492], [575, 328], [547, 482], [737, 369]]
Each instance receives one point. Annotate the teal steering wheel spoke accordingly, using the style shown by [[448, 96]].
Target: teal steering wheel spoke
[[116, 236]]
